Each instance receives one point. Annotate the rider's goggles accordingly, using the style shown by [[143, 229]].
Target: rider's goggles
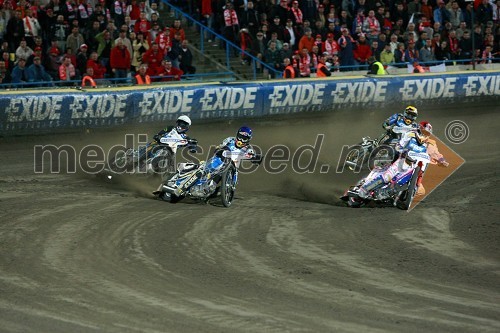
[[182, 125], [243, 138]]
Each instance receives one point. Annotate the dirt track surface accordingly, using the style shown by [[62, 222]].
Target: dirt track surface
[[80, 255]]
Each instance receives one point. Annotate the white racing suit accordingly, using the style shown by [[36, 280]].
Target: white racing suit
[[381, 176]]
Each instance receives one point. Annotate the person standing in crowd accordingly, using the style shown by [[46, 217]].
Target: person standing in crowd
[[362, 51], [81, 59], [290, 72], [88, 78], [169, 73], [67, 71], [272, 58], [387, 57], [139, 46], [231, 23], [124, 39], [106, 43], [250, 19], [375, 67], [36, 73], [142, 77], [99, 71], [31, 27], [19, 74], [23, 51], [75, 39], [291, 35], [322, 70], [346, 44], [4, 73], [186, 58], [120, 61], [15, 30]]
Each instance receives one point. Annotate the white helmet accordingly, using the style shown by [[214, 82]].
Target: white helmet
[[182, 124]]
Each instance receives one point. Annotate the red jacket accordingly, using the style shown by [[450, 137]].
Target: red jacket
[[153, 60], [99, 70], [142, 26], [173, 72], [363, 52], [173, 31], [120, 58]]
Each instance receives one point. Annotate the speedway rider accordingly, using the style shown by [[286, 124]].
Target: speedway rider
[[238, 146], [414, 141], [406, 120], [182, 125]]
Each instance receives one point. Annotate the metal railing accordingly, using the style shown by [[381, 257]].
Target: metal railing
[[119, 82]]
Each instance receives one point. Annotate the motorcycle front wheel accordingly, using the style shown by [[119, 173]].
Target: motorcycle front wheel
[[355, 159], [227, 186], [406, 199]]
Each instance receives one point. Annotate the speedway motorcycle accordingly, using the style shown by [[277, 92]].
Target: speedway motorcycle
[[206, 185], [156, 157], [379, 149], [400, 192]]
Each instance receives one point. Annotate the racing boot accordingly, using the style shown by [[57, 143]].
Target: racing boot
[[367, 187]]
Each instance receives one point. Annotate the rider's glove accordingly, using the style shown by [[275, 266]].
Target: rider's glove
[[219, 153], [256, 159], [443, 162], [156, 138]]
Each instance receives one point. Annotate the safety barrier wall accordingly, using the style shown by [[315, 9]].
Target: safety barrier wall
[[31, 112]]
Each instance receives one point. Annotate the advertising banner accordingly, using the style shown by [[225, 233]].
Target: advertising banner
[[22, 112]]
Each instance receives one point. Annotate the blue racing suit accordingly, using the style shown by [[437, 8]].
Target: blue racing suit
[[229, 145], [397, 120]]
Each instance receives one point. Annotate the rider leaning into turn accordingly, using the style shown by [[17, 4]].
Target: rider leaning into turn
[[415, 141], [182, 125], [406, 119], [236, 146]]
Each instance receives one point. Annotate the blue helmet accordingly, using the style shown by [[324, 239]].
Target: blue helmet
[[243, 136]]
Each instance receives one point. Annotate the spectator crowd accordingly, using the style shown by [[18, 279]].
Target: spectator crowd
[[44, 41], [348, 33]]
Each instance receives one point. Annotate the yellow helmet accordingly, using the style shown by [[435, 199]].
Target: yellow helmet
[[410, 114]]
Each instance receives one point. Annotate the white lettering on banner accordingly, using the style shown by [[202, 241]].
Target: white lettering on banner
[[482, 86], [428, 89], [359, 92], [228, 114], [169, 101], [297, 95], [32, 125], [97, 122], [34, 109], [100, 106], [228, 98]]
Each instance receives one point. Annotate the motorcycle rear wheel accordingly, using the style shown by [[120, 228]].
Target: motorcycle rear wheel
[[354, 202], [169, 197]]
